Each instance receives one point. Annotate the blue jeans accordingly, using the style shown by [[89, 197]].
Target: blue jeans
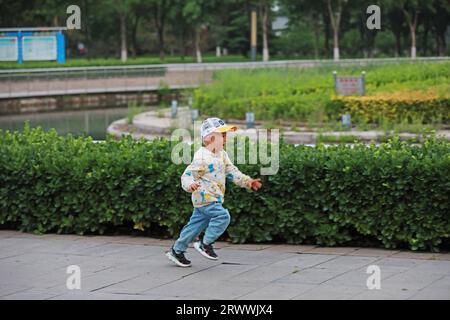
[[213, 217]]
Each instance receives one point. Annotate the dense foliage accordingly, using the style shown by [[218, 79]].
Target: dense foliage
[[420, 89], [392, 195]]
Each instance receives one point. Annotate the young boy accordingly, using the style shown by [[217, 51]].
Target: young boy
[[205, 179]]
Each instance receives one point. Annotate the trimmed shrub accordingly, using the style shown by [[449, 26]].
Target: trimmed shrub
[[396, 108], [394, 194]]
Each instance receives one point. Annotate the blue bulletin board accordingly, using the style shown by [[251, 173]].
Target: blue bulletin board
[[32, 44]]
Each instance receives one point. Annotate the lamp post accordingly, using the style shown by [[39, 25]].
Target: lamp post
[[194, 115], [346, 121], [173, 109], [250, 120], [253, 33], [363, 83]]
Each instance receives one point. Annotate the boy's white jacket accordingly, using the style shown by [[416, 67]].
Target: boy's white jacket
[[210, 171]]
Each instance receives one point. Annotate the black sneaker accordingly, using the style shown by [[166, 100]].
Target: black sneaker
[[206, 250], [178, 258]]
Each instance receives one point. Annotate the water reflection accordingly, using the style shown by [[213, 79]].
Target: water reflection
[[92, 122]]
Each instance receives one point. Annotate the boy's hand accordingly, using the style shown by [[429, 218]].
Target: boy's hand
[[255, 184], [194, 186]]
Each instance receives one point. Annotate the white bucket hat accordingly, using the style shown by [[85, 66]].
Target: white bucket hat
[[211, 125]]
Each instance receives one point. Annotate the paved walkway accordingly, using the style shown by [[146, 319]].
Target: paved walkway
[[158, 123], [40, 87], [124, 267]]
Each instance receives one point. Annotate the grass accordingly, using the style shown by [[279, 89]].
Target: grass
[[336, 139], [133, 110], [415, 127], [302, 94]]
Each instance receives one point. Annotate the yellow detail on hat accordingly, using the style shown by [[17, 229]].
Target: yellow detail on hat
[[226, 128]]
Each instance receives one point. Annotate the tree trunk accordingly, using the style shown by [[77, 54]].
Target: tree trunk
[[335, 45], [440, 23], [371, 42], [86, 26], [425, 38], [441, 45], [264, 21], [413, 42], [136, 48], [412, 22], [159, 16], [161, 42], [398, 45], [316, 37], [396, 18], [123, 38], [326, 23], [218, 52], [335, 22], [183, 45], [198, 52]]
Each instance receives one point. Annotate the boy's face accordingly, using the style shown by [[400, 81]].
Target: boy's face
[[216, 141]]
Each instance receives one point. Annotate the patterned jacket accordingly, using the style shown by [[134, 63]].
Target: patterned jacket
[[211, 170]]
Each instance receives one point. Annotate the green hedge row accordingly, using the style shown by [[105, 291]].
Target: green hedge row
[[397, 108], [396, 195], [294, 108]]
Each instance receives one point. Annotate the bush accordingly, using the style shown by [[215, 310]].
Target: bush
[[266, 107], [308, 94], [396, 108], [394, 194]]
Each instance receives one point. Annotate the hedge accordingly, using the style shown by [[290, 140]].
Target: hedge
[[401, 107], [291, 107], [392, 195]]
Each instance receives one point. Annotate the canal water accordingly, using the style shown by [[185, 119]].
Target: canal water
[[91, 122]]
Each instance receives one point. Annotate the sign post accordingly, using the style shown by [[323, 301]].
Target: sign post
[[173, 109], [32, 44], [194, 114], [250, 120], [346, 121], [349, 85]]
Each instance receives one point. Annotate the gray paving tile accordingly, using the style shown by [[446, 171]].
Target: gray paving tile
[[329, 292], [277, 291], [310, 276], [432, 294], [305, 260], [264, 274], [34, 267], [384, 294]]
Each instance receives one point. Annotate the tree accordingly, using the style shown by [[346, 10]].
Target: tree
[[160, 11], [137, 13], [396, 23], [367, 36], [179, 26], [264, 10], [411, 10], [195, 12], [228, 24], [122, 9], [335, 11], [313, 13], [440, 21], [237, 27]]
